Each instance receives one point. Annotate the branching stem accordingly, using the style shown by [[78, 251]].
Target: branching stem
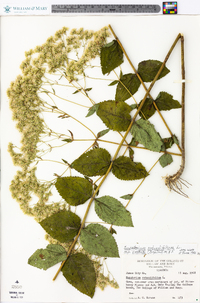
[[135, 71], [116, 154]]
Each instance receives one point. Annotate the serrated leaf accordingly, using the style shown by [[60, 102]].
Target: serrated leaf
[[165, 160], [79, 271], [127, 197], [113, 83], [48, 257], [149, 68], [112, 211], [92, 110], [125, 169], [165, 101], [97, 240], [102, 133], [127, 86], [115, 114], [95, 162], [111, 56], [147, 109], [62, 226], [74, 190], [144, 132]]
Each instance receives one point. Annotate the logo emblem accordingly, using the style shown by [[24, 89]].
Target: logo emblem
[[7, 9]]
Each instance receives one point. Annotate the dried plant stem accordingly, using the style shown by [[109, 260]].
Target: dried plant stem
[[135, 71], [175, 182], [116, 154]]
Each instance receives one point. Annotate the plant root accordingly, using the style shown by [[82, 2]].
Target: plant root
[[176, 183]]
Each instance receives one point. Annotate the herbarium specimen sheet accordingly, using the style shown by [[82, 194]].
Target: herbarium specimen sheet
[[100, 144]]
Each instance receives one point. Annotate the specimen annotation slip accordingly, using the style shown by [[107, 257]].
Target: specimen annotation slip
[[160, 273]]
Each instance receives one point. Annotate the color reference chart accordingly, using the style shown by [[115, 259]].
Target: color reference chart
[[169, 8]]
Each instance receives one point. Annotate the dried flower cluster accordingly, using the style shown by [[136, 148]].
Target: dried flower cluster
[[27, 106]]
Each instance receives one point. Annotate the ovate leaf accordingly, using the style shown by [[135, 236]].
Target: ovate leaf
[[48, 257], [97, 240], [125, 169], [147, 109], [95, 162], [149, 68], [112, 211], [165, 160], [79, 271], [115, 114], [92, 110], [74, 190], [127, 87], [165, 101], [111, 56], [144, 132], [62, 226]]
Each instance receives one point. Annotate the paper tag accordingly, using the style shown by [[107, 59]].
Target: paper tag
[[160, 277]]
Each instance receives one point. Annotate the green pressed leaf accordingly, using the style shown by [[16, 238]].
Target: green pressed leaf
[[147, 109], [165, 101], [77, 91], [102, 133], [112, 211], [95, 162], [79, 271], [128, 86], [111, 56], [115, 114], [112, 230], [113, 83], [131, 153], [133, 106], [165, 160], [125, 169], [87, 89], [97, 240], [144, 132], [74, 190], [92, 110], [67, 140], [127, 197], [168, 142], [149, 68], [62, 226], [48, 257], [176, 141]]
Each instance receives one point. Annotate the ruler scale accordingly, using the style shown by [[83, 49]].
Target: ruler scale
[[105, 8]]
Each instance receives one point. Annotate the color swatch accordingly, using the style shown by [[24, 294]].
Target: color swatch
[[169, 8]]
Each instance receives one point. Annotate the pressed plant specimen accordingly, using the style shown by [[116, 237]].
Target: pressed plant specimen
[[58, 77]]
